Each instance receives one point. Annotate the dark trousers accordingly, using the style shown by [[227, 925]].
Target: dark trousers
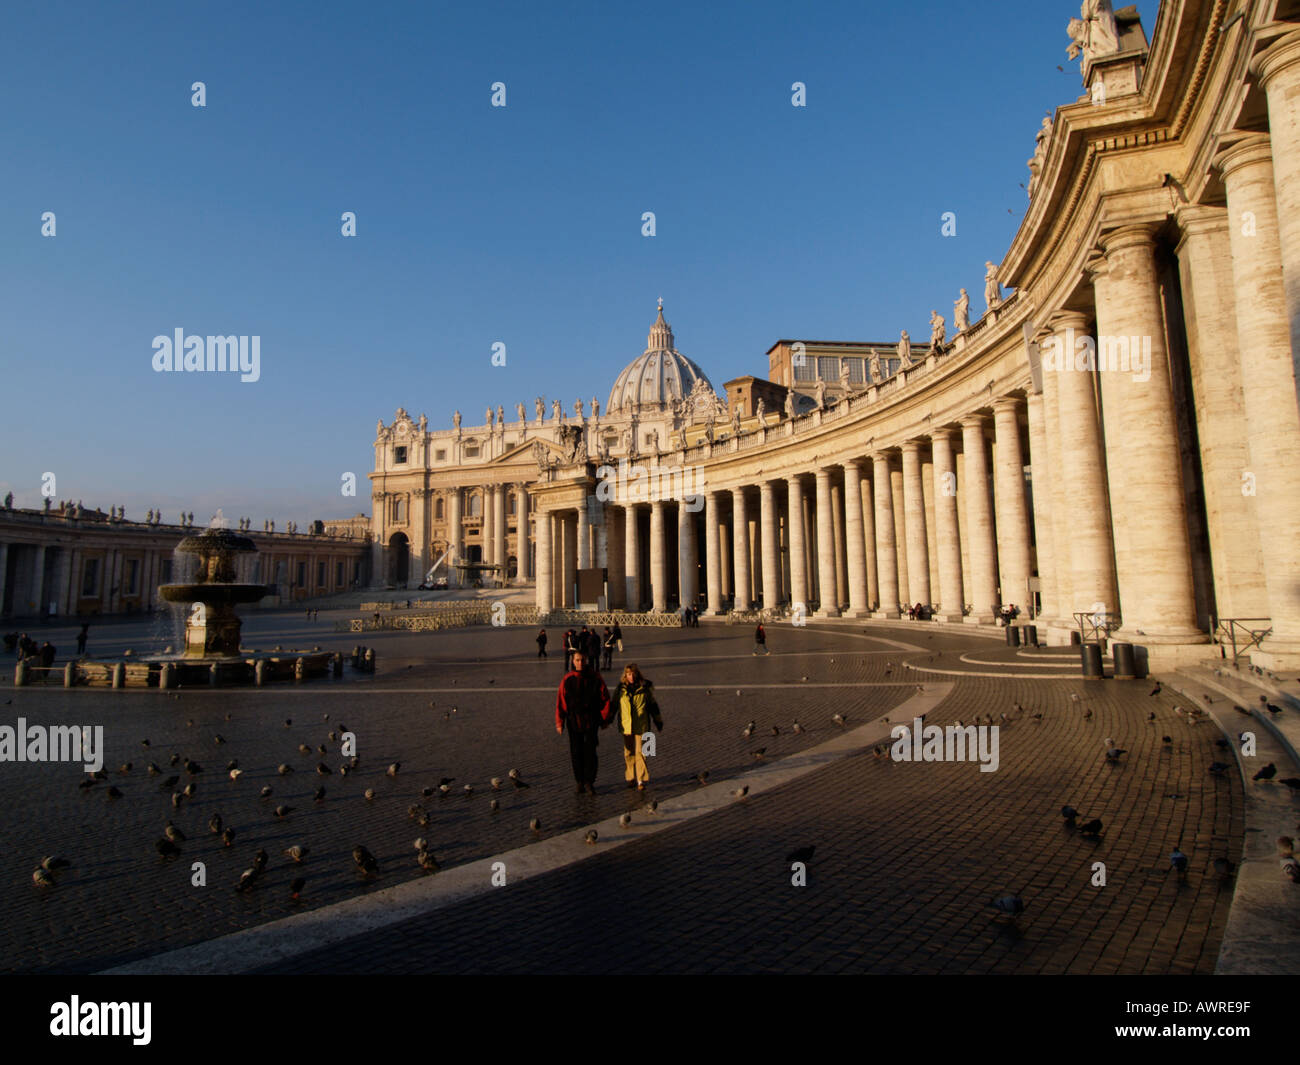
[[582, 752]]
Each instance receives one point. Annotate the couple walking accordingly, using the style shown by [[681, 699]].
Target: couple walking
[[583, 705]]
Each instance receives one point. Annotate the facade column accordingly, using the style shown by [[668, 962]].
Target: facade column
[[869, 540], [886, 547], [841, 563], [59, 593], [740, 549], [768, 545], [1278, 70], [658, 559], [798, 559], [918, 548], [632, 557], [584, 535], [1012, 509], [1044, 533], [4, 574], [979, 522], [545, 600], [456, 536], [945, 526], [900, 531], [712, 554], [485, 538], [1083, 514], [499, 529], [38, 581], [419, 558], [688, 556], [524, 571], [855, 546], [571, 547], [614, 541], [1153, 558], [828, 607], [1269, 386]]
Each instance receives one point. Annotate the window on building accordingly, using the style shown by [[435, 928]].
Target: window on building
[[440, 455], [437, 509], [320, 575], [828, 368], [857, 370], [806, 370], [90, 578], [398, 510], [471, 451], [510, 509], [165, 575], [302, 575], [399, 454], [132, 576], [338, 575]]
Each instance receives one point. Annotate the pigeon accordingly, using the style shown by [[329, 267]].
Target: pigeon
[[366, 862], [246, 880], [228, 837], [260, 859], [322, 749], [189, 790], [283, 769], [369, 794], [393, 769], [233, 764], [758, 754], [192, 768], [445, 789], [516, 781], [469, 789], [1219, 768], [89, 782], [1291, 870], [1243, 710], [177, 799], [1179, 862], [747, 731], [427, 862], [124, 768], [214, 824], [1222, 744], [652, 805], [323, 770], [1267, 773], [1113, 753], [153, 769], [703, 776], [776, 731], [625, 821], [740, 793], [452, 780], [1166, 739], [266, 791], [415, 811], [41, 878], [592, 836], [51, 864], [1272, 709], [166, 848], [1087, 714], [319, 795], [496, 783], [797, 728], [145, 743], [494, 805], [218, 739], [1008, 905], [303, 748], [1156, 690], [288, 721], [428, 792], [839, 719], [344, 770], [235, 774], [297, 852], [803, 854], [173, 833], [295, 888], [169, 783], [114, 792], [1070, 814], [535, 824], [174, 760], [284, 811], [1152, 716], [1285, 845], [1091, 829]]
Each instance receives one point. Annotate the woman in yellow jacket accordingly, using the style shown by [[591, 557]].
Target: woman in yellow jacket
[[634, 701]]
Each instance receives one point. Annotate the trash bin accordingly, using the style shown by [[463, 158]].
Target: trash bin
[[1013, 636], [1031, 635], [1090, 653], [1125, 662]]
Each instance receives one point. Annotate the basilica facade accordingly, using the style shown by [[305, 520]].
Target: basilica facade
[[1112, 446]]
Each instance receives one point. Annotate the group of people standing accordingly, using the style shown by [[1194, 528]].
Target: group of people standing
[[596, 647]]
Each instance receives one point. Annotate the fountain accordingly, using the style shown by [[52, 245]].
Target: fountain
[[212, 626]]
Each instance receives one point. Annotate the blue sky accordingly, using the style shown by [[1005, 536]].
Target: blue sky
[[475, 224]]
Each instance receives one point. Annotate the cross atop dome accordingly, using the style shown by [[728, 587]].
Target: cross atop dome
[[661, 333]]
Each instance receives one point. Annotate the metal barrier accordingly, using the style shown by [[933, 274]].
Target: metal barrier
[[1242, 633]]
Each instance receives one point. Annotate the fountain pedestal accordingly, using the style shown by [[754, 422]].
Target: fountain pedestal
[[212, 631]]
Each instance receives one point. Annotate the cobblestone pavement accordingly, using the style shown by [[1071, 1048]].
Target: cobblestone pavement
[[469, 705]]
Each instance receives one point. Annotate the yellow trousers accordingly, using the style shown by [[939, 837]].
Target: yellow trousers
[[634, 761]]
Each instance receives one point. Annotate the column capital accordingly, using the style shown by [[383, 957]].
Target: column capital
[[852, 464], [1279, 57], [911, 447], [1063, 320], [1003, 404], [974, 421], [943, 432], [1134, 235], [1243, 150], [1194, 219]]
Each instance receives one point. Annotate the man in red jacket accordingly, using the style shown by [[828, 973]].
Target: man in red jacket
[[583, 704]]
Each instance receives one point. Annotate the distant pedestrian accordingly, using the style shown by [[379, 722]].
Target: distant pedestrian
[[760, 640], [618, 637], [607, 645], [81, 639], [695, 617], [541, 644], [47, 657], [634, 702], [570, 645], [592, 649], [582, 704]]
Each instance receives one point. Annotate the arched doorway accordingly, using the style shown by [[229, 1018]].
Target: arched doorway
[[399, 559]]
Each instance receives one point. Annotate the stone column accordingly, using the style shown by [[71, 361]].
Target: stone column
[[632, 557], [855, 546], [1013, 511], [1083, 514], [38, 581], [1044, 533], [688, 555], [828, 607], [900, 532], [1153, 558], [798, 560], [945, 526], [4, 574], [499, 529], [456, 536], [584, 535], [545, 600], [524, 573], [486, 526], [886, 551], [1278, 69], [712, 554], [658, 559], [62, 579], [837, 528], [918, 548], [869, 540], [1269, 378], [740, 549], [979, 522], [419, 557], [614, 541], [1205, 261], [768, 545]]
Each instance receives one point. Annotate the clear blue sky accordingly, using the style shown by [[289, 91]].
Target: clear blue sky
[[475, 224]]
